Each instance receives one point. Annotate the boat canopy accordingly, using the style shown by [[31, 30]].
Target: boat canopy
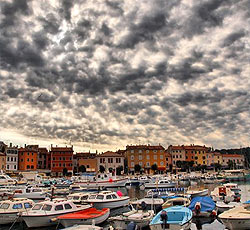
[[207, 203]]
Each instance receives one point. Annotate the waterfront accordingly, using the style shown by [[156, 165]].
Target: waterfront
[[135, 192]]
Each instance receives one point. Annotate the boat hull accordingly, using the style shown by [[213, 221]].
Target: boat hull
[[185, 226], [9, 218], [236, 224], [111, 205], [106, 184], [70, 222]]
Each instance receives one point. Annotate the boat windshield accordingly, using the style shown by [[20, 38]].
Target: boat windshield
[[92, 197], [84, 197], [37, 207], [75, 197], [99, 197], [4, 206], [17, 206]]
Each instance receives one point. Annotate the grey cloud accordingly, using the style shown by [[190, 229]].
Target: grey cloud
[[66, 8], [230, 39]]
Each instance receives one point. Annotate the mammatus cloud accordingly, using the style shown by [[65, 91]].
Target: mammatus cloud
[[104, 74]]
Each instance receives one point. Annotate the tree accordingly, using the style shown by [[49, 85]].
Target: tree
[[203, 168], [217, 167], [119, 170], [82, 169], [230, 164], [65, 172], [179, 164], [154, 167], [102, 169], [125, 166], [111, 170], [170, 167], [137, 168]]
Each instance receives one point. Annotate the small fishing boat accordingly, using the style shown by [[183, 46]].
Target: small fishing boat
[[177, 201], [165, 192], [84, 217], [108, 199], [221, 206], [34, 193], [173, 218], [11, 210], [79, 198], [45, 213], [203, 206], [237, 218], [141, 218], [222, 193], [234, 188], [158, 184], [151, 203], [194, 193]]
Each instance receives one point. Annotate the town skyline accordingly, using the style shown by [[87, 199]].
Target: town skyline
[[105, 74]]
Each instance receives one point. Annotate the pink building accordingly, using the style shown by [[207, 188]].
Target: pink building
[[235, 158]]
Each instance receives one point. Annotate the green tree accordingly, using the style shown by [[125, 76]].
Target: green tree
[[230, 164], [82, 169], [137, 168], [125, 165], [111, 170], [154, 167], [119, 170], [65, 172], [217, 167], [101, 169]]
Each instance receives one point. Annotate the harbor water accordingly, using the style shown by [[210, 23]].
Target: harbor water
[[135, 192]]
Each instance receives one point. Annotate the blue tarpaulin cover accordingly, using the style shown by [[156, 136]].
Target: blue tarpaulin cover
[[247, 202], [207, 203]]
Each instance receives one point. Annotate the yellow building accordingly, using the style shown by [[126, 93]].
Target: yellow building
[[88, 160], [145, 156], [218, 158], [2, 161]]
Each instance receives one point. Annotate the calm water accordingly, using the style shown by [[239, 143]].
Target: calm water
[[134, 192]]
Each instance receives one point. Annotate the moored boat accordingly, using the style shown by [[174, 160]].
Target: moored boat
[[45, 213], [194, 193], [11, 210], [173, 218], [223, 193], [177, 201], [84, 217]]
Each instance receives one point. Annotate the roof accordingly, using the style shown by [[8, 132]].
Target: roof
[[146, 147], [43, 150], [61, 149], [109, 154], [232, 155]]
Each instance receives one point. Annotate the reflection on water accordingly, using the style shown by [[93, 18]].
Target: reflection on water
[[135, 192]]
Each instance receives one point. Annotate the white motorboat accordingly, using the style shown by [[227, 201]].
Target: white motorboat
[[150, 203], [234, 188], [158, 184], [181, 201], [194, 193], [34, 193], [108, 199], [141, 218], [87, 216], [222, 193], [222, 206], [237, 218], [6, 180], [11, 210], [45, 213]]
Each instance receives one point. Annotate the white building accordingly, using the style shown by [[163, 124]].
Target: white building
[[11, 158]]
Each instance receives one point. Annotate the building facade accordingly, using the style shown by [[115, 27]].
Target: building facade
[[169, 163], [218, 158], [178, 153], [61, 159], [146, 156], [196, 153], [11, 158], [110, 161], [88, 161], [236, 159], [43, 161], [27, 158]]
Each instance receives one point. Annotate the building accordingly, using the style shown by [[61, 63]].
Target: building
[[177, 153], [88, 161], [61, 160], [236, 159], [27, 158], [43, 159], [11, 158], [210, 159], [218, 158], [197, 154], [169, 163], [2, 161], [146, 156], [110, 161]]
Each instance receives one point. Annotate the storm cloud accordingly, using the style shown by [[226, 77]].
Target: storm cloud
[[104, 74]]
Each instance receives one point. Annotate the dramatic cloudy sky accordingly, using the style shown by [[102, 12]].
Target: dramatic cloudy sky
[[102, 74]]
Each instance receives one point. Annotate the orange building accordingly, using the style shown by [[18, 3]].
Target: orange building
[[61, 158], [169, 162], [146, 156], [88, 160], [27, 158]]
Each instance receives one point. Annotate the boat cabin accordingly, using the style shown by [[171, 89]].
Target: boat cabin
[[16, 205], [79, 198], [105, 195]]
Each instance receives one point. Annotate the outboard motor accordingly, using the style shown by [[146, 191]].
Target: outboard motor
[[164, 219], [143, 205], [132, 226], [197, 208]]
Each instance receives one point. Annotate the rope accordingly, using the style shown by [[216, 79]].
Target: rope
[[14, 223]]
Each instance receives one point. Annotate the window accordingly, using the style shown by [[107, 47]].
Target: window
[[148, 164], [8, 159], [118, 160], [161, 150], [155, 157], [132, 164], [161, 157], [4, 206], [140, 151], [99, 197], [132, 151], [47, 207], [114, 196], [155, 151], [140, 157], [140, 163], [147, 151], [27, 205], [28, 159], [162, 163], [17, 206], [37, 207], [8, 166], [108, 197], [67, 206], [59, 207], [132, 157], [32, 160], [147, 157]]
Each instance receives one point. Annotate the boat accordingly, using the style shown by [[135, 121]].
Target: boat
[[237, 218], [45, 213], [84, 217], [194, 193], [203, 206], [140, 217], [222, 193], [234, 188], [181, 201], [6, 180], [11, 210], [34, 193], [173, 218], [108, 199], [221, 206], [151, 203], [158, 184], [165, 192]]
